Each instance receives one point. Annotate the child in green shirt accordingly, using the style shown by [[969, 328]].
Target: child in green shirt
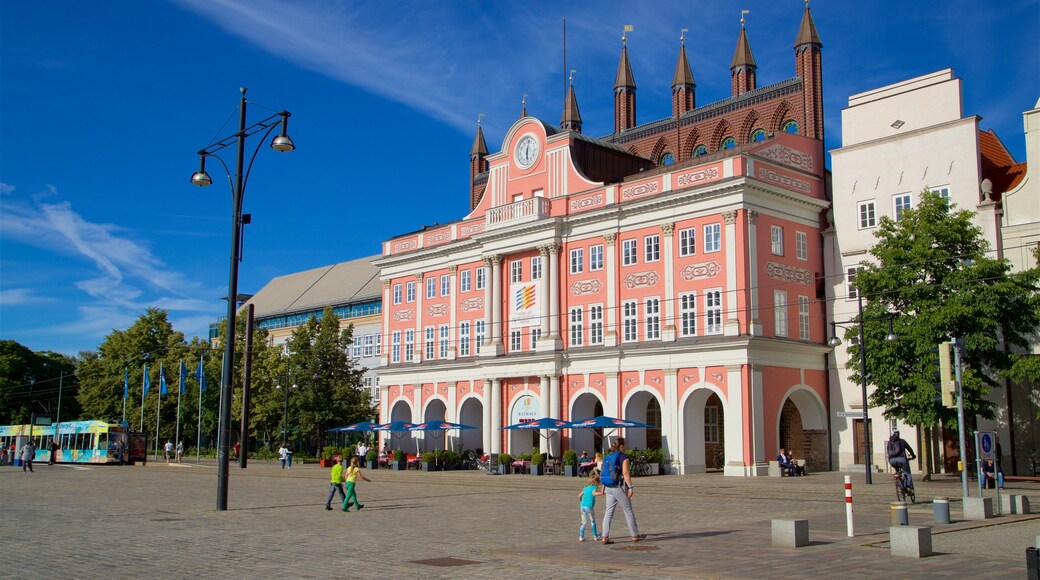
[[336, 483]]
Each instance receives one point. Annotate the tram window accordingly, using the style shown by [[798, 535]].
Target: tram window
[[102, 441]]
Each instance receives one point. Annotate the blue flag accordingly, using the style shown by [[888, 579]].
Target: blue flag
[[126, 383], [147, 383], [162, 381], [200, 376], [184, 375]]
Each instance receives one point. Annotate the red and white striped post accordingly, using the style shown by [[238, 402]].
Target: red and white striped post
[[848, 504]]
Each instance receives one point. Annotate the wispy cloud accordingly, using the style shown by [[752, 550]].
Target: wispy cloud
[[20, 296]]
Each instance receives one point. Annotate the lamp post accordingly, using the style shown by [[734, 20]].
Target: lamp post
[[285, 416], [281, 143], [835, 342]]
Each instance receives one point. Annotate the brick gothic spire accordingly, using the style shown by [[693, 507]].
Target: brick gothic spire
[[683, 87], [742, 71], [477, 165], [624, 93], [809, 67], [571, 119]]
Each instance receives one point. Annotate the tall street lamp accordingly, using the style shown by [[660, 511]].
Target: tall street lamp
[[285, 416], [835, 342], [281, 143]]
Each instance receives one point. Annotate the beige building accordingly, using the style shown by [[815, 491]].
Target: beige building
[[897, 141]]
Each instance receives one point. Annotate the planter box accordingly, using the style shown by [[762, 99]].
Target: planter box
[[537, 469], [503, 469], [429, 466], [372, 464], [399, 465], [326, 462], [448, 467], [571, 470]]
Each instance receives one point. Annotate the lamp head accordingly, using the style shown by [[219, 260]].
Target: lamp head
[[200, 177], [282, 143], [834, 342]]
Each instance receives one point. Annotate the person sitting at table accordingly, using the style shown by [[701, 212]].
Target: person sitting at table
[[599, 463], [785, 463]]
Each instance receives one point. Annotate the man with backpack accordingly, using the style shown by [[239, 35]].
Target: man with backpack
[[617, 483], [897, 450]]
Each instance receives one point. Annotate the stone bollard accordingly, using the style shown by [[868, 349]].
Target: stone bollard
[[790, 533], [910, 541], [941, 506], [899, 514], [1014, 504], [978, 508]]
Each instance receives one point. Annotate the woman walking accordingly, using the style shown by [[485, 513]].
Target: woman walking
[[353, 473], [617, 482]]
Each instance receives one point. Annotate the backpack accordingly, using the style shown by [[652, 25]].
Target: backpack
[[610, 475], [894, 448]]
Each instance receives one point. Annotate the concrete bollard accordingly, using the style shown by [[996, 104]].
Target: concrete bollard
[[910, 541], [899, 514], [1014, 504], [978, 508], [790, 533], [941, 507]]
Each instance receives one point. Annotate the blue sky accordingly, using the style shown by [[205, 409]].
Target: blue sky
[[104, 104]]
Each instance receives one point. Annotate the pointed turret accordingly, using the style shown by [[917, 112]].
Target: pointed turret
[[571, 119], [624, 91], [809, 67], [742, 71], [478, 165], [683, 88]]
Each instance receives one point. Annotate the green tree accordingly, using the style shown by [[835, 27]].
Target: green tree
[[329, 391], [931, 275], [32, 382]]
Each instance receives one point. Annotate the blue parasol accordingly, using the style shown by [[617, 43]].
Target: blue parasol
[[438, 426], [362, 426], [543, 424], [395, 427], [612, 423]]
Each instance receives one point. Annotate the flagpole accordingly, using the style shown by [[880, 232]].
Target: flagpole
[[158, 403], [144, 391], [200, 378], [180, 389], [126, 390]]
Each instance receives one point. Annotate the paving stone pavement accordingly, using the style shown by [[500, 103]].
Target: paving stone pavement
[[160, 521]]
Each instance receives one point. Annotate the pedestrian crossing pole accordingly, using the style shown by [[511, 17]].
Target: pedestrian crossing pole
[[848, 505]]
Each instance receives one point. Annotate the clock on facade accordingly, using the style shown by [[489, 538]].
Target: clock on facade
[[526, 151]]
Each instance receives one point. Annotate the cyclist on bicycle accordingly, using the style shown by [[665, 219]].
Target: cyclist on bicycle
[[898, 451]]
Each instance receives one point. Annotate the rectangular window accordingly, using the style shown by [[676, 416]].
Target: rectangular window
[[867, 215], [478, 335], [464, 281], [713, 311], [652, 248], [536, 267], [652, 309], [397, 293], [577, 332], [516, 271], [803, 317], [370, 342], [687, 242], [356, 347], [577, 261], [409, 294], [850, 282], [944, 192], [429, 343], [596, 257], [395, 348], [445, 284], [514, 341], [431, 287], [629, 321], [776, 239], [379, 345], [481, 278], [464, 339], [595, 325], [900, 203], [712, 237], [711, 424], [443, 348], [536, 333], [688, 314], [801, 245], [375, 390], [780, 312], [628, 252], [409, 345]]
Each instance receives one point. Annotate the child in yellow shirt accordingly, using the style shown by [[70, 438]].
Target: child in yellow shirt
[[353, 473]]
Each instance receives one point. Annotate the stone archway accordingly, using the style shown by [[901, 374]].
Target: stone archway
[[471, 413], [643, 407], [704, 431], [433, 440], [586, 406], [802, 428], [400, 411]]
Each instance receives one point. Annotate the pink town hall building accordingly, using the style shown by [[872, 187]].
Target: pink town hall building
[[669, 273]]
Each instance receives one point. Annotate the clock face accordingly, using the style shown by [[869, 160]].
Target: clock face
[[527, 151]]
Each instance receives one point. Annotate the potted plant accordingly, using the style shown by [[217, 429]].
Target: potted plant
[[653, 459], [372, 458], [450, 461], [400, 461], [537, 463], [505, 462], [570, 463], [326, 456], [429, 461]]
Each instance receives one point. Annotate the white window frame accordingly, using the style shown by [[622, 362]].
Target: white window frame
[[481, 278], [687, 241], [713, 238], [409, 345], [688, 314], [803, 318], [429, 344], [651, 248], [901, 202], [536, 334], [465, 281], [596, 324], [944, 192], [356, 346], [431, 287], [514, 341], [576, 327], [780, 313], [536, 267], [776, 240], [866, 214], [713, 311], [397, 294], [801, 245], [370, 342], [577, 260], [595, 257], [409, 291], [516, 271], [711, 424], [379, 345], [629, 257], [851, 292], [442, 350], [464, 339], [652, 320], [445, 284], [629, 321], [479, 335], [395, 349]]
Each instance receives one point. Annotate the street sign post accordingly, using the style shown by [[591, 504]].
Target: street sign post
[[850, 414]]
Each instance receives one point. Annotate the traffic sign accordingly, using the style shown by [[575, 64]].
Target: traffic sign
[[987, 445], [851, 414]]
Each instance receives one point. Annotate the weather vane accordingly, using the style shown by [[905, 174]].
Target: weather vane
[[743, 12], [523, 106], [628, 28], [479, 117], [571, 79], [682, 35]]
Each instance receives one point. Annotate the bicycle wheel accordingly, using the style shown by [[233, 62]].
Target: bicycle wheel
[[900, 494], [910, 493]]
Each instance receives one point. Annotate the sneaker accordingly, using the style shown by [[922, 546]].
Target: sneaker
[[359, 506], [328, 507], [608, 541], [596, 538], [639, 538], [581, 539]]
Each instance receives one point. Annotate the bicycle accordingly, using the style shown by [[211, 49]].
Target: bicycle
[[904, 485], [481, 462], [718, 458]]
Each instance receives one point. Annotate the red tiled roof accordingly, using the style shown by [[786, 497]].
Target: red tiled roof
[[1005, 179], [993, 152]]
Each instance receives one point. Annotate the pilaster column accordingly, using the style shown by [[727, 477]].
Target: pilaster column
[[496, 415], [453, 303], [730, 325], [384, 353], [668, 328], [420, 337], [544, 397], [554, 290], [755, 324], [613, 406], [543, 293], [671, 428], [496, 301], [610, 333], [555, 443], [486, 422]]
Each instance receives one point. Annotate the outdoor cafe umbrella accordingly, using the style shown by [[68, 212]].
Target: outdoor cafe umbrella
[[362, 426], [612, 423], [439, 426], [395, 427], [543, 424]]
